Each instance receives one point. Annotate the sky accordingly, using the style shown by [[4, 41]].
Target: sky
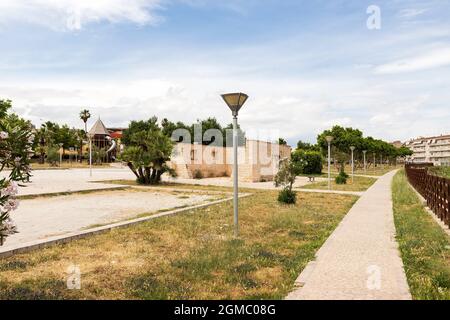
[[306, 65]]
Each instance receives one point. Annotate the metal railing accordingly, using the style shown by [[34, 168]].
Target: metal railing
[[435, 189]]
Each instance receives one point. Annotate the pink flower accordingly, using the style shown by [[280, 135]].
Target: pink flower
[[11, 205], [9, 227]]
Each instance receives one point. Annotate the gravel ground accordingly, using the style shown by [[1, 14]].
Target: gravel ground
[[48, 216]]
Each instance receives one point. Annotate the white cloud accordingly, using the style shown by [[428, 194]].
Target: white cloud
[[75, 14], [434, 59]]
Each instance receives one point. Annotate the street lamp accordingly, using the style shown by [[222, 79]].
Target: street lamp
[[60, 153], [374, 161], [365, 162], [90, 154], [329, 140], [353, 163], [235, 101]]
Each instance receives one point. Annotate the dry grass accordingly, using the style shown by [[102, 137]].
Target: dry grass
[[425, 247], [188, 256], [359, 184], [371, 171], [441, 171]]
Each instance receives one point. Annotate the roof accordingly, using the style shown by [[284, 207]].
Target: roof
[[116, 135], [444, 136], [99, 129]]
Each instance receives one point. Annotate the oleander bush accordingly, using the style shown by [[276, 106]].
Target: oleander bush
[[16, 140]]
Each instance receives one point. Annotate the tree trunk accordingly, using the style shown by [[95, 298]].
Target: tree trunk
[[130, 165]]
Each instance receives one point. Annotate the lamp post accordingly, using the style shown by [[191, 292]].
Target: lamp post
[[90, 154], [329, 140], [235, 101], [60, 153], [374, 161], [365, 162], [353, 163]]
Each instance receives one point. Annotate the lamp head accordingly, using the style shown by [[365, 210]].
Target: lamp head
[[235, 101], [329, 139], [352, 148]]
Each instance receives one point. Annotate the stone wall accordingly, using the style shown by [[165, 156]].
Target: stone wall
[[258, 160]]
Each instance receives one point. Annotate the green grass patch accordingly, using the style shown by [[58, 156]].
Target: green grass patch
[[187, 256], [424, 246], [359, 184], [441, 171]]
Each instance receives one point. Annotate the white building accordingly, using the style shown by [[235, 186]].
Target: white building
[[431, 149]]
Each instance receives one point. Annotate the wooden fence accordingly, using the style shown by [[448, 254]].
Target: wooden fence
[[435, 190]]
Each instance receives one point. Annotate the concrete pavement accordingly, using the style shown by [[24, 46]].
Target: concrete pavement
[[360, 260]]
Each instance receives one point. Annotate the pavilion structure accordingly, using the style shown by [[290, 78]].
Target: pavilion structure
[[102, 143]]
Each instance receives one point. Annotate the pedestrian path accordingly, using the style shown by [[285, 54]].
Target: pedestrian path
[[360, 260]]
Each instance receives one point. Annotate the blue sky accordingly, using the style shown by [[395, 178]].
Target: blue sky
[[305, 64]]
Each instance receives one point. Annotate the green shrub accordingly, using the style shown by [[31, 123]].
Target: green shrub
[[287, 196], [341, 178], [308, 162], [53, 156], [198, 174]]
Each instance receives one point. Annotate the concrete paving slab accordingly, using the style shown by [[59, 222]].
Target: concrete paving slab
[[360, 260]]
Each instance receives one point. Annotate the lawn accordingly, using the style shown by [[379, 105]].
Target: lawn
[[67, 165], [371, 171], [187, 256], [441, 171], [359, 184], [424, 246]]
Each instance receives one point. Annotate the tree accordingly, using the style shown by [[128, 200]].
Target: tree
[[306, 146], [343, 139], [404, 152], [148, 151], [286, 178], [282, 142], [139, 126], [85, 115], [310, 162], [16, 141]]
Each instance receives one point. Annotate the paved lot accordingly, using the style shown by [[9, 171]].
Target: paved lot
[[49, 216], [58, 181], [360, 260]]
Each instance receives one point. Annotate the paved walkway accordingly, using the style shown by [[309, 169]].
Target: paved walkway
[[361, 259], [71, 180]]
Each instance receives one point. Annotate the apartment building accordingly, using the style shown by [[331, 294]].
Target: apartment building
[[430, 149]]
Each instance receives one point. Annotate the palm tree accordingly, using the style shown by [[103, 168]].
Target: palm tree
[[85, 115]]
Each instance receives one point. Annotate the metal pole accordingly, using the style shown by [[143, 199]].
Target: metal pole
[[329, 165], [365, 163], [235, 175], [90, 156], [60, 157], [353, 168]]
